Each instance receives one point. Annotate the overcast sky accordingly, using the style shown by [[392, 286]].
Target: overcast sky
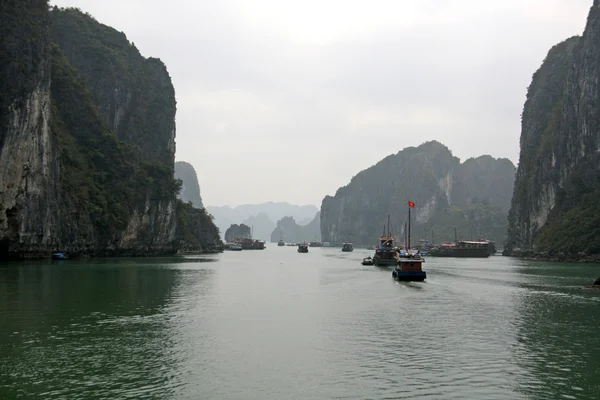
[[287, 100]]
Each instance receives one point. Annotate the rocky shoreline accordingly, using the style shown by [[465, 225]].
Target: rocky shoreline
[[553, 257]]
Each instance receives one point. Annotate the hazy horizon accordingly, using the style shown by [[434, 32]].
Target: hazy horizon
[[287, 102]]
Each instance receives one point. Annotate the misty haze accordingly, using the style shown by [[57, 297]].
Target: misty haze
[[299, 199]]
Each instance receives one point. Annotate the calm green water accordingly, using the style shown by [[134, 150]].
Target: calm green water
[[276, 324]]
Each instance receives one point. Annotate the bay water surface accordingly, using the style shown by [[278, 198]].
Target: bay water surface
[[277, 324]]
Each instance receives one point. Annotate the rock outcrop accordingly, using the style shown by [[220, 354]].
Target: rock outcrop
[[236, 231], [292, 232], [68, 182], [29, 161], [556, 201], [471, 196], [190, 189]]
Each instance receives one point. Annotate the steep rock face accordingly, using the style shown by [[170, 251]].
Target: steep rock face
[[29, 163], [196, 230], [261, 225], [190, 189], [558, 182], [67, 183], [134, 94], [111, 202], [439, 185], [236, 231], [290, 231], [537, 176]]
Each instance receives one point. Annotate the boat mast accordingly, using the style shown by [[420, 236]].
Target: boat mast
[[408, 229], [388, 224]]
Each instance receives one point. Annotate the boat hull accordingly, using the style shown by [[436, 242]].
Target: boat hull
[[461, 253], [409, 276]]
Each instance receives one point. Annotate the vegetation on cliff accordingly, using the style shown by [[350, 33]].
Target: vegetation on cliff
[[111, 150], [470, 196], [557, 191], [24, 47], [103, 177], [134, 94]]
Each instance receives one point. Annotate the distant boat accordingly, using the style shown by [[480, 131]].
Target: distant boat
[[367, 261], [281, 243], [59, 256], [462, 249], [251, 244], [326, 244], [315, 244], [233, 247], [347, 247], [302, 248]]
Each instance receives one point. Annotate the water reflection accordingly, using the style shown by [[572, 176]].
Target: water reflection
[[558, 343], [98, 329]]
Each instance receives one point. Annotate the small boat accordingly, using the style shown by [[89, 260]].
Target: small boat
[[59, 256], [409, 265], [347, 247], [281, 243], [302, 248], [367, 261], [233, 247]]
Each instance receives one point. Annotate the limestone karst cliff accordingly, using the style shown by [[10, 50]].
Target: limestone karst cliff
[[69, 182], [29, 161], [236, 231], [190, 189], [556, 200], [290, 231], [471, 196]]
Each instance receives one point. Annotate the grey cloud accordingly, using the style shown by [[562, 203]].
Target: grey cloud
[[287, 119]]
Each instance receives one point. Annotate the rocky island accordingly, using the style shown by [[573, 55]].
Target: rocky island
[[555, 209], [473, 196], [87, 142]]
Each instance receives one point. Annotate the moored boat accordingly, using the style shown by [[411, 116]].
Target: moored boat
[[59, 256], [462, 249], [315, 244], [252, 244]]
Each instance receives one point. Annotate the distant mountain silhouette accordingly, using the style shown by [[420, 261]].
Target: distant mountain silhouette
[[291, 231], [190, 190], [251, 214]]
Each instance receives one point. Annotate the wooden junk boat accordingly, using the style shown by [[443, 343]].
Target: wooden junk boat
[[385, 253], [409, 265]]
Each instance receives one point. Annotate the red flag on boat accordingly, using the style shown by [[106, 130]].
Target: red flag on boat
[[411, 204]]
